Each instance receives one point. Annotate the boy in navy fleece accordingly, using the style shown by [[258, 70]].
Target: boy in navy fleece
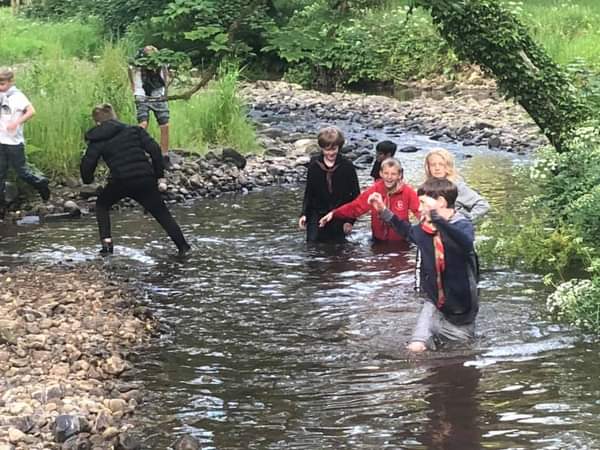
[[448, 272]]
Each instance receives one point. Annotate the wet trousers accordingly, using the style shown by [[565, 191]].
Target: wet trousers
[[432, 328], [145, 192], [14, 156]]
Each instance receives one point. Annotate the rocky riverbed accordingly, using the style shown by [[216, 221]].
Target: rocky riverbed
[[469, 114], [66, 334]]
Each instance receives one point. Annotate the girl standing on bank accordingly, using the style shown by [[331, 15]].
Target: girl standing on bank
[[331, 181], [439, 163]]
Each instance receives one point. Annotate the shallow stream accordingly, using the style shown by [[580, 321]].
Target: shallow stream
[[276, 345]]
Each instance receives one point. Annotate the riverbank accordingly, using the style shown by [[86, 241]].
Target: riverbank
[[470, 113], [66, 334]]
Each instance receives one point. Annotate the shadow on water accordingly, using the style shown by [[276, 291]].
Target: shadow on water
[[278, 345]]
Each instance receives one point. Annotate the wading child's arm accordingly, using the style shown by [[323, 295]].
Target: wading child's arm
[[402, 227]]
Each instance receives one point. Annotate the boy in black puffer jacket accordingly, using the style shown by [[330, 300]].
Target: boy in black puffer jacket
[[125, 151]]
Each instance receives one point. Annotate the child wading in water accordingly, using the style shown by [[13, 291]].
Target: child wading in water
[[448, 272], [439, 163], [398, 196], [331, 181], [125, 151]]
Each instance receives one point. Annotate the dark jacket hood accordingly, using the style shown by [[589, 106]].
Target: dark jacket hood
[[105, 131]]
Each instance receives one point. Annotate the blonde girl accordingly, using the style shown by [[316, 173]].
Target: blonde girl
[[439, 163]]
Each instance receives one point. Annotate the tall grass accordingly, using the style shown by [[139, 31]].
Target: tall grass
[[568, 29], [22, 40], [63, 91], [67, 68], [217, 116]]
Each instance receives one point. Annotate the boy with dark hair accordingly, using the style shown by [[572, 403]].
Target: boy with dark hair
[[125, 151], [448, 271], [383, 151], [15, 110]]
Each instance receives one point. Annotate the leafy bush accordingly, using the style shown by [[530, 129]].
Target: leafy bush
[[372, 45], [115, 15], [577, 302], [565, 177]]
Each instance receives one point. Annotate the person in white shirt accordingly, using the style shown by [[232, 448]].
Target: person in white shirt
[[15, 110]]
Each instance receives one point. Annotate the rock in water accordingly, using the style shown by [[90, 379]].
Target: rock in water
[[409, 149], [186, 443]]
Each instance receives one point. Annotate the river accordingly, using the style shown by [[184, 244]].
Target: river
[[278, 345]]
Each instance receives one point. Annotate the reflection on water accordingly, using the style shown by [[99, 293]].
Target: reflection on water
[[278, 345]]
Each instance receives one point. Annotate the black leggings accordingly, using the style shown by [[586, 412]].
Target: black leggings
[[332, 232], [145, 192]]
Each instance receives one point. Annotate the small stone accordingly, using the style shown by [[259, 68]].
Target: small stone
[[116, 404], [110, 433], [15, 435]]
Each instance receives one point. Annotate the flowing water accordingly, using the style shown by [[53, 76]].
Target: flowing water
[[280, 345]]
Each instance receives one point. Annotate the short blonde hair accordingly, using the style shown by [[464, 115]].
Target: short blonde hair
[[392, 162], [6, 74], [448, 159], [330, 136]]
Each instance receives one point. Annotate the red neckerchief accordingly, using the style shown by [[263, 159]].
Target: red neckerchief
[[328, 174], [440, 262]]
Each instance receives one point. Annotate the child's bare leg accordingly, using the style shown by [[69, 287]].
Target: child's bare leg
[[164, 138]]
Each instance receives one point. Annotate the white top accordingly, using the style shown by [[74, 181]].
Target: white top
[[13, 104], [138, 88]]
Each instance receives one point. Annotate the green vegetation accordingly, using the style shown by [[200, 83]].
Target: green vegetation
[[554, 229], [25, 40], [65, 83]]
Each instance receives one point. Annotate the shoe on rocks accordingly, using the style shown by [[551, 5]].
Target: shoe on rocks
[[44, 191]]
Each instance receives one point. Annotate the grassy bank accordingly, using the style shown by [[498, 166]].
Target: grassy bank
[[64, 81], [568, 29]]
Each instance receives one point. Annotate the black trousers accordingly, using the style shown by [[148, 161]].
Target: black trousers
[[332, 232], [145, 192]]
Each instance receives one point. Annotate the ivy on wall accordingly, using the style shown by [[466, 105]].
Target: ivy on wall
[[486, 33]]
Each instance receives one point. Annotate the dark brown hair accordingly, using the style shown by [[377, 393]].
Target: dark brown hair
[[439, 187], [330, 136]]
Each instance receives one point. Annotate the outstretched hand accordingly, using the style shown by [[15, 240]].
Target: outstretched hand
[[325, 219], [302, 222], [376, 201]]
